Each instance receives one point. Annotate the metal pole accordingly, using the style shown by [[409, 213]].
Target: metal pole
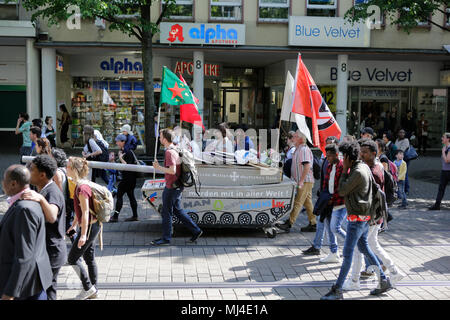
[[156, 137]]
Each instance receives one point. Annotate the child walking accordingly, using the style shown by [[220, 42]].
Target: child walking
[[402, 169]]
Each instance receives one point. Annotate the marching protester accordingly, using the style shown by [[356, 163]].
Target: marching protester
[[301, 172], [23, 127], [128, 182], [84, 243], [355, 187], [171, 196], [391, 148], [337, 212], [445, 172], [43, 146], [368, 154], [51, 199], [25, 271]]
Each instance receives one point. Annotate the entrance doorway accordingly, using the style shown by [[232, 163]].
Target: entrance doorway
[[238, 106], [380, 115]]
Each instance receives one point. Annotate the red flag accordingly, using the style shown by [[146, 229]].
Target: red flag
[[309, 102], [189, 112]]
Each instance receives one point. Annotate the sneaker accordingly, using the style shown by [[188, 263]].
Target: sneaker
[[311, 251], [160, 242], [403, 206], [350, 285], [334, 294], [195, 237], [133, 218], [385, 285], [83, 295], [309, 228], [331, 258], [395, 277], [434, 207], [285, 226]]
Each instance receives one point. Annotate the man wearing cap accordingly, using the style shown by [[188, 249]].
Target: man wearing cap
[[131, 142], [367, 133], [128, 182]]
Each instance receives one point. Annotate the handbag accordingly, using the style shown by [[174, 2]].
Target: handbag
[[411, 153], [322, 202]]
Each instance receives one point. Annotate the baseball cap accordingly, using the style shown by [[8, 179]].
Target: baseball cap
[[121, 137]]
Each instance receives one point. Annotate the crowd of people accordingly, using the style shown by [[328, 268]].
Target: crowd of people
[[49, 200]]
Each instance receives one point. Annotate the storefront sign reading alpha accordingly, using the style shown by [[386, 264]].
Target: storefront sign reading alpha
[[328, 32], [201, 33], [124, 66]]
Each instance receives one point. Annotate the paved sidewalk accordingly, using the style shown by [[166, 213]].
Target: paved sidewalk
[[239, 264]]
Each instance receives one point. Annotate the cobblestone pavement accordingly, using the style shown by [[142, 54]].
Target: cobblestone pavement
[[242, 264]]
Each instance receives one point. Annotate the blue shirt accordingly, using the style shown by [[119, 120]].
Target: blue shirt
[[25, 129]]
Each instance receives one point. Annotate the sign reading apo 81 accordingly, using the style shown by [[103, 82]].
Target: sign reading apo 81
[[202, 33]]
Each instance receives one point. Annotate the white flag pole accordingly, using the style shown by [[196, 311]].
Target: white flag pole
[[156, 138]]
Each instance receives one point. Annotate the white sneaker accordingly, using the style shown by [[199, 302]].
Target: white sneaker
[[331, 258], [350, 285], [83, 295], [396, 277]]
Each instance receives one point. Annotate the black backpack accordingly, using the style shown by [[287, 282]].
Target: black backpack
[[316, 168], [104, 157], [379, 207], [287, 168], [390, 188]]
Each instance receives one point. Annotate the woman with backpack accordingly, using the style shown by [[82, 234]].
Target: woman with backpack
[[95, 150], [128, 182], [84, 243]]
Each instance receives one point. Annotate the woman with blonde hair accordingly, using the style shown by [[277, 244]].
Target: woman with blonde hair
[[84, 243]]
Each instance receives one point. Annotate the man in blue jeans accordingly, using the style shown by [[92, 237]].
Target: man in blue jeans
[[171, 196], [355, 187]]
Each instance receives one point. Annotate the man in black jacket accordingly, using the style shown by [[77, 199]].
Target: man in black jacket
[[25, 271]]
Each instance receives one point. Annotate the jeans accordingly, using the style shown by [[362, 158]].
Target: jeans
[[401, 192], [126, 186], [357, 233], [381, 255], [51, 291], [172, 206], [406, 178], [445, 178], [40, 296], [88, 253], [332, 227]]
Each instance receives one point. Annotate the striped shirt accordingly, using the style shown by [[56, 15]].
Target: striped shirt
[[302, 156]]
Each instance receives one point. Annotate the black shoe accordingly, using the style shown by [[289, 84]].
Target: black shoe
[[285, 226], [334, 294], [434, 207], [195, 238], [133, 218], [114, 218], [385, 285], [160, 242], [309, 228], [311, 251]]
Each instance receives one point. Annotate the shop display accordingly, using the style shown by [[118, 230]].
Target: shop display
[[125, 106], [433, 102]]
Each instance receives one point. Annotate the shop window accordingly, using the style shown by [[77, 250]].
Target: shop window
[[321, 8], [229, 10], [273, 10], [183, 10]]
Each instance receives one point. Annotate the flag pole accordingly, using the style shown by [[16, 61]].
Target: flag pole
[[156, 138]]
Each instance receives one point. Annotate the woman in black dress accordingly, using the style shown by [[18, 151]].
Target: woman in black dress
[[65, 122]]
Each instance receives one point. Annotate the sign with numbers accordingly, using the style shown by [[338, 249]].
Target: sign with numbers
[[329, 95]]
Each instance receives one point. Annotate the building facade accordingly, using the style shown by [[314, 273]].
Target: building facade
[[235, 55]]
